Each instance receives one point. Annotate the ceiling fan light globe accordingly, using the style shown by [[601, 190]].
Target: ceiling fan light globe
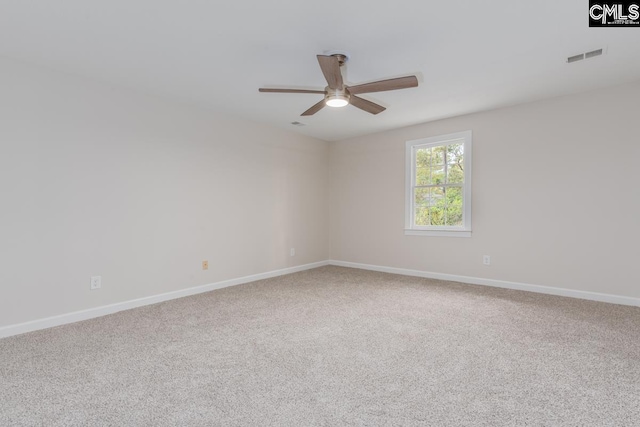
[[336, 97], [336, 102]]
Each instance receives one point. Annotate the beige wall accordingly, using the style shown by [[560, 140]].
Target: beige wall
[[556, 197], [96, 180], [101, 181]]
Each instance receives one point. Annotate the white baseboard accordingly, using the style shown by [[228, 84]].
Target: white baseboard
[[593, 296], [76, 316]]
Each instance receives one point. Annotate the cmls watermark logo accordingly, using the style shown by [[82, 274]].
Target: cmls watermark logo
[[614, 14]]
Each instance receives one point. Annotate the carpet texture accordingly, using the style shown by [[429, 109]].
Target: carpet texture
[[333, 346]]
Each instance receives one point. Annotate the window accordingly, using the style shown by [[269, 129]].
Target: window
[[438, 186]]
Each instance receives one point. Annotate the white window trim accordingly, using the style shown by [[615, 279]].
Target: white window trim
[[409, 228]]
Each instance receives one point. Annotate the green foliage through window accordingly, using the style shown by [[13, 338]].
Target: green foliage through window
[[439, 185]]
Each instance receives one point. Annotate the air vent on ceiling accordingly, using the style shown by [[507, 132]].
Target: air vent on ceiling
[[297, 124], [593, 53], [575, 58], [586, 55]]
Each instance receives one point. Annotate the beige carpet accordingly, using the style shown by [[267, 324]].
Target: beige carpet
[[333, 346]]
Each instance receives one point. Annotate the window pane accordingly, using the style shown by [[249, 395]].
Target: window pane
[[422, 216], [421, 197], [455, 174], [423, 176], [454, 196], [455, 153], [437, 175], [436, 215], [454, 216], [437, 155], [437, 197], [455, 162], [423, 157]]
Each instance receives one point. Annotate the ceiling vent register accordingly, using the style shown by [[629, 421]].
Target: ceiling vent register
[[586, 55]]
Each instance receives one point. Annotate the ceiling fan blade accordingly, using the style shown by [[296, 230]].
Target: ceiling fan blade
[[316, 107], [263, 89], [330, 66], [368, 106], [383, 85]]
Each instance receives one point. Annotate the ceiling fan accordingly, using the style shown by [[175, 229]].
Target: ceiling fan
[[337, 94]]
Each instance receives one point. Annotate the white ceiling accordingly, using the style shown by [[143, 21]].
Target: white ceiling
[[468, 55]]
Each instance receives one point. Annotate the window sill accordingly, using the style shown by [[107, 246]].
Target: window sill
[[438, 233]]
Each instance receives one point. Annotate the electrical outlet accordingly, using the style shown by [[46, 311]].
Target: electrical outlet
[[205, 265], [486, 259], [96, 282], [292, 252]]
